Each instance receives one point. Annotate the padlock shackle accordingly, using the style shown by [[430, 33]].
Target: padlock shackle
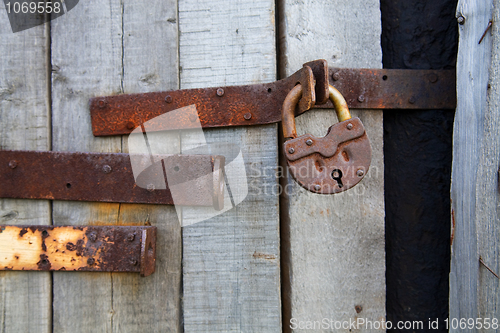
[[288, 112], [293, 97], [339, 103]]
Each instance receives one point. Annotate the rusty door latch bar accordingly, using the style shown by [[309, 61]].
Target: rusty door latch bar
[[109, 178], [262, 103], [395, 88], [78, 248], [217, 107]]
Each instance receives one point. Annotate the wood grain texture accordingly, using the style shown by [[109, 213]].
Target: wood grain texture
[[336, 254], [150, 63], [83, 68], [128, 47], [487, 186], [231, 266], [473, 65], [25, 304]]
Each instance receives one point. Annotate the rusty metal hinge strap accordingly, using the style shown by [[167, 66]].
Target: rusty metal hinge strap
[[261, 103], [78, 248], [106, 178]]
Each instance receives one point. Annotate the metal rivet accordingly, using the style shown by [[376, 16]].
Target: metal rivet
[[168, 99], [361, 98], [291, 150], [220, 92], [151, 187], [130, 125], [433, 77], [93, 236], [336, 76], [102, 103], [131, 237], [412, 100], [133, 262], [247, 116], [192, 118], [360, 173], [12, 164], [309, 142], [106, 169], [461, 20], [90, 261], [317, 187], [349, 126]]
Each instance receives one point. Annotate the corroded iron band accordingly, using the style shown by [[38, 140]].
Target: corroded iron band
[[78, 248], [107, 178], [262, 103]]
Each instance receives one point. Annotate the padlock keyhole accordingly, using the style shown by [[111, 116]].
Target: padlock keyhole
[[337, 176]]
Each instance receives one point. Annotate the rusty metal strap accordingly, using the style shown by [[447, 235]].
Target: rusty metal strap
[[395, 88], [261, 103], [217, 107], [109, 178], [78, 248]]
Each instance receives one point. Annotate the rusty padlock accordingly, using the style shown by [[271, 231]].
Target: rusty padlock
[[331, 164]]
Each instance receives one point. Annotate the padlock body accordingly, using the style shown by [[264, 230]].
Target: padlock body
[[331, 164]]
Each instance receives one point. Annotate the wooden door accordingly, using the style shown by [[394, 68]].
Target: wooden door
[[252, 269]]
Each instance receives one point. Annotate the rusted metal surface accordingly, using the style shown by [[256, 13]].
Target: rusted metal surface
[[78, 248], [395, 88], [331, 164], [288, 116], [217, 107], [261, 104], [110, 178], [320, 72], [148, 251]]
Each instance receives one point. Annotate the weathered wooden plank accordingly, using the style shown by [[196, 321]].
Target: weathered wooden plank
[[128, 47], [470, 172], [231, 261], [80, 69], [488, 187], [150, 63], [476, 158], [334, 252], [24, 124]]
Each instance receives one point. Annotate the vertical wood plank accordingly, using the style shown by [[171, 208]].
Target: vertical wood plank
[[231, 267], [474, 190], [150, 63], [127, 47], [488, 185], [25, 304], [334, 257], [83, 68]]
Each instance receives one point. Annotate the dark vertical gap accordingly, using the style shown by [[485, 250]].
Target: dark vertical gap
[[277, 34], [48, 66], [181, 282], [285, 246], [418, 34], [285, 262], [123, 47]]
